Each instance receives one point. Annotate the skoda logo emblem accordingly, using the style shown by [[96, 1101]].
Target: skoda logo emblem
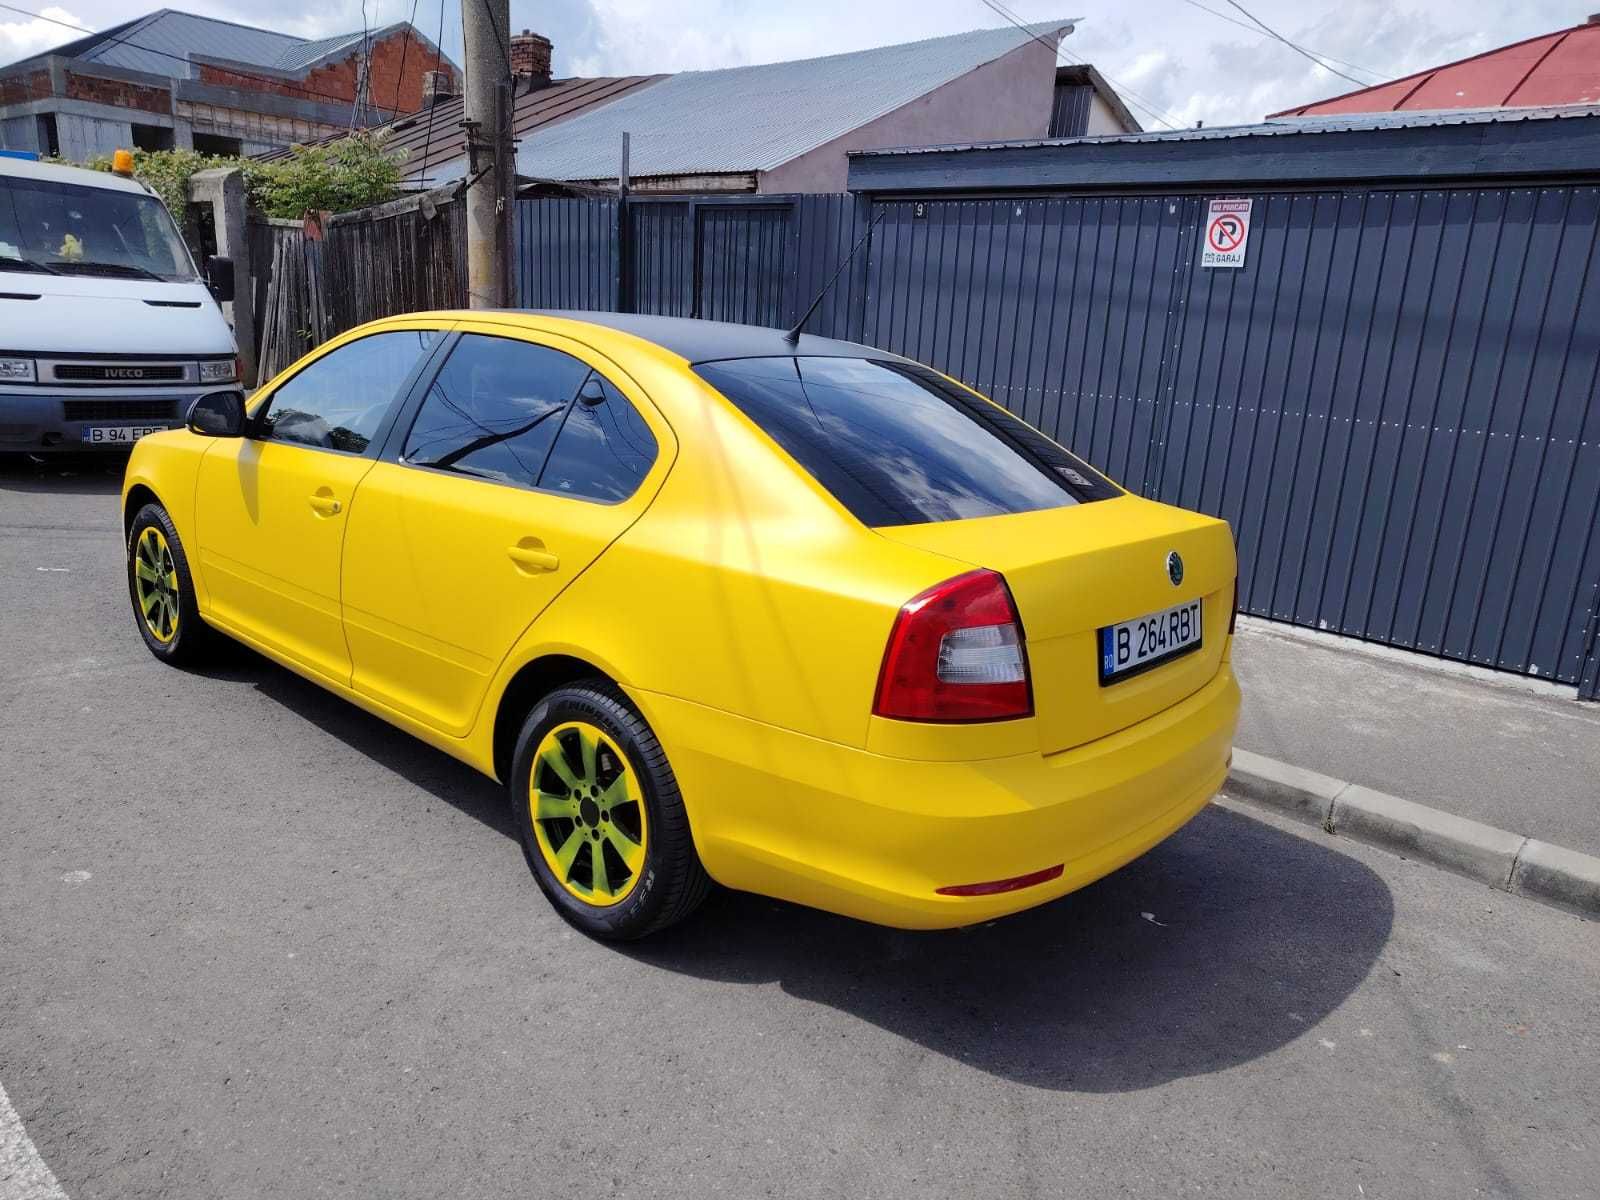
[[1175, 567]]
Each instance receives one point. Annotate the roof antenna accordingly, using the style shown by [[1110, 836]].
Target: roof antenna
[[793, 335]]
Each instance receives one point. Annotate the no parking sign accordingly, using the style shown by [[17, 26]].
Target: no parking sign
[[1227, 233]]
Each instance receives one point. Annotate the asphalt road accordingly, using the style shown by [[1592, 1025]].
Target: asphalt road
[[254, 943]]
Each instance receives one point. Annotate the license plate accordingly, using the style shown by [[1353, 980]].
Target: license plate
[[1144, 642], [118, 435]]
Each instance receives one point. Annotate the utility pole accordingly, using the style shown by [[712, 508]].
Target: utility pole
[[491, 161]]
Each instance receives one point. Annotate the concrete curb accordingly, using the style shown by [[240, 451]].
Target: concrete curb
[[1509, 862]]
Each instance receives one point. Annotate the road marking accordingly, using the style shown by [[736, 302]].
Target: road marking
[[23, 1174]]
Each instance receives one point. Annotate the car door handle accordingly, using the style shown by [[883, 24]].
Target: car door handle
[[322, 501], [530, 555]]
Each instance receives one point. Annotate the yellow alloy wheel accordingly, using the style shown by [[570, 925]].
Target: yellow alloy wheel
[[588, 813], [155, 584]]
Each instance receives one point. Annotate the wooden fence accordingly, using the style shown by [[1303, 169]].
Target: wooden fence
[[408, 256]]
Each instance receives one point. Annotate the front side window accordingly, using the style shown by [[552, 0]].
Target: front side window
[[897, 444], [494, 410], [70, 229], [340, 400]]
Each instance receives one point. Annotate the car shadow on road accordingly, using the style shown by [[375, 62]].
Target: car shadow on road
[[1221, 945], [65, 474], [434, 771]]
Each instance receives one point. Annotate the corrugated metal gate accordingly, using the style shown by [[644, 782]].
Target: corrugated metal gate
[[1394, 402]]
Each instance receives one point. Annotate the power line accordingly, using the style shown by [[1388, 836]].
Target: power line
[[404, 46], [1138, 101], [1301, 50], [277, 83], [1222, 16], [427, 140]]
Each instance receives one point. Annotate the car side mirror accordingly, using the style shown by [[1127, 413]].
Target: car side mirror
[[219, 414], [219, 277]]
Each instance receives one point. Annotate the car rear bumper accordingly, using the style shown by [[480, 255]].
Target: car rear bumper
[[876, 837], [44, 420]]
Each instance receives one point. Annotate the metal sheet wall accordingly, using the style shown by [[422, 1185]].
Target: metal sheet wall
[[1394, 402], [567, 253]]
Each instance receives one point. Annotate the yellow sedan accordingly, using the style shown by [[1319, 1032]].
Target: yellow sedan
[[715, 603]]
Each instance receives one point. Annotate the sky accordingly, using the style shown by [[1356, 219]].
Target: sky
[[1174, 62]]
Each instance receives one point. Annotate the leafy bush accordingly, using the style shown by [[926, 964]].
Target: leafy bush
[[352, 172]]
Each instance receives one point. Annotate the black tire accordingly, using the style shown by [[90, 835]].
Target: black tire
[[192, 640], [672, 882]]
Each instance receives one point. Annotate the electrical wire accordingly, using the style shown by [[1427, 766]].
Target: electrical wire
[[1222, 16], [1138, 101], [276, 83], [1301, 50], [427, 140], [411, 26]]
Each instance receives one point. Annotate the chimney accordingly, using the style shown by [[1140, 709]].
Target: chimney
[[530, 56], [437, 87]]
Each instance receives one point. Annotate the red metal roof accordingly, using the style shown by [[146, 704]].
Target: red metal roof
[[1555, 68]]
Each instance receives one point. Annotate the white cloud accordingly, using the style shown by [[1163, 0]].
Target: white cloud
[[27, 36], [1188, 64]]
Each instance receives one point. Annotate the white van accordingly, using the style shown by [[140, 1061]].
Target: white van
[[107, 331]]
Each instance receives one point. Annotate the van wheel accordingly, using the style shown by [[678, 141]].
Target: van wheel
[[600, 817], [162, 590]]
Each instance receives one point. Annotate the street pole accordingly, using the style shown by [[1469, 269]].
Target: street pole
[[486, 34]]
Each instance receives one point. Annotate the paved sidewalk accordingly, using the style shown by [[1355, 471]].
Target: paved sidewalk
[[1523, 759]]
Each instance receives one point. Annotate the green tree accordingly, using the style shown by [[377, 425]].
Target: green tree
[[351, 172]]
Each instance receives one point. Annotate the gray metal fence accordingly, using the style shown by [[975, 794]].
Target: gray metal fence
[[1394, 402]]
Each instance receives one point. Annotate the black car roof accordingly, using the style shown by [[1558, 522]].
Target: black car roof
[[707, 341]]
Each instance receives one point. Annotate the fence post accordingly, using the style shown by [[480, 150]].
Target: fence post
[[222, 189], [1589, 670]]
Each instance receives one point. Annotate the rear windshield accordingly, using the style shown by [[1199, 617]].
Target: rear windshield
[[898, 444]]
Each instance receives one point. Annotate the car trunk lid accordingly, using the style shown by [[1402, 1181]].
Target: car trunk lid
[[1076, 569]]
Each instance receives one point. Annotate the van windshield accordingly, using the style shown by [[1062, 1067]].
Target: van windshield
[[70, 229]]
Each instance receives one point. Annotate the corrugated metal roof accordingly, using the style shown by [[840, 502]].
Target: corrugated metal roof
[[1553, 69], [758, 117], [306, 53], [146, 45], [1274, 127]]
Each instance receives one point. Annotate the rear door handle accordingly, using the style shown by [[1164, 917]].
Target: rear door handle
[[322, 501], [530, 555]]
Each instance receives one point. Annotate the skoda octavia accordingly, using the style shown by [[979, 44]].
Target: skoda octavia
[[714, 603]]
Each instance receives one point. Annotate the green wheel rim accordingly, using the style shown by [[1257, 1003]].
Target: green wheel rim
[[588, 813], [155, 584]]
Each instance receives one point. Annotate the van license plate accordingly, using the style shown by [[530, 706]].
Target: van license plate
[[118, 435], [1133, 646]]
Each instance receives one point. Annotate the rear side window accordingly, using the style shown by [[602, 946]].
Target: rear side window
[[338, 402], [896, 444], [604, 448], [494, 409]]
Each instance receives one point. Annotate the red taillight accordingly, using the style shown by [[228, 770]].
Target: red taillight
[[956, 654]]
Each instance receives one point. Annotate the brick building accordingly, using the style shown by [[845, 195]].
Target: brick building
[[173, 79]]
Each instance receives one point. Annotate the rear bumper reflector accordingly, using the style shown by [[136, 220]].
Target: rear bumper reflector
[[996, 886]]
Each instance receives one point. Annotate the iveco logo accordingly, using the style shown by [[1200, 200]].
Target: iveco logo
[[1175, 568], [124, 372]]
